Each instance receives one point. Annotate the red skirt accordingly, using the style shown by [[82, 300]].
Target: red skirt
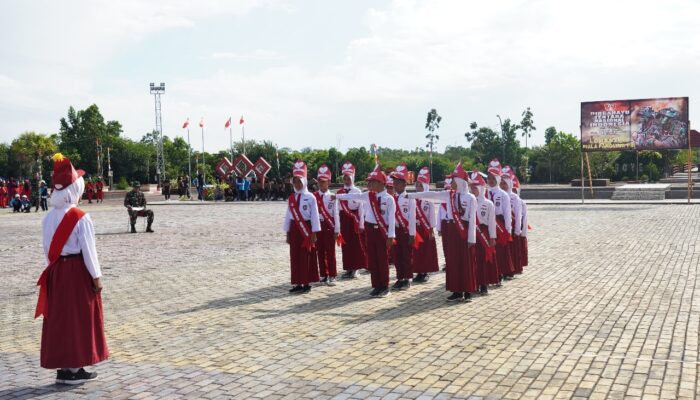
[[72, 336], [354, 249], [515, 250], [486, 271], [303, 262], [461, 273], [425, 258], [523, 250], [444, 234]]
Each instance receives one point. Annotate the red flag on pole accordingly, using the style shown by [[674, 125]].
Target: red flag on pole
[[228, 123], [186, 124], [201, 123], [241, 122]]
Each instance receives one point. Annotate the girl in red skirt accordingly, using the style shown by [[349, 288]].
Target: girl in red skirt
[[461, 230], [301, 224], [507, 178], [72, 335], [425, 260], [486, 271], [526, 226]]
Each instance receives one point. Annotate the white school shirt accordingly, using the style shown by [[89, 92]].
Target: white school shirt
[[308, 210], [332, 208], [82, 239], [387, 207], [487, 215], [352, 205], [466, 200], [516, 207], [501, 201], [428, 208], [525, 223], [407, 208]]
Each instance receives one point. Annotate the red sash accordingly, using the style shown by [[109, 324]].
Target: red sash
[[502, 237], [324, 211], [374, 204], [457, 216], [490, 251], [59, 239], [300, 223], [400, 219], [420, 215], [344, 206]]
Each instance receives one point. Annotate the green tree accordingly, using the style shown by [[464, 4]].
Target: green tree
[[527, 124], [80, 132], [432, 124], [31, 153]]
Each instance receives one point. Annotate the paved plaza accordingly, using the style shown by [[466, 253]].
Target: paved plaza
[[200, 309]]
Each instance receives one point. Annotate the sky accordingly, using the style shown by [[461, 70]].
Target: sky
[[323, 73]]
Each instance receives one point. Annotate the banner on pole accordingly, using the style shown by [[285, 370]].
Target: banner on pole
[[643, 124]]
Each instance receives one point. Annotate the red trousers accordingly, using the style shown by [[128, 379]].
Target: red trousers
[[100, 195], [303, 262], [89, 195], [461, 272], [403, 255], [425, 256], [354, 252], [377, 256], [326, 251], [72, 336], [486, 271]]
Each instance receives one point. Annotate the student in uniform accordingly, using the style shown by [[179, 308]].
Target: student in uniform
[[443, 217], [501, 202], [525, 225], [486, 272], [351, 220], [72, 335], [405, 230], [507, 177], [90, 189], [425, 260], [461, 206], [330, 228], [301, 223], [380, 225]]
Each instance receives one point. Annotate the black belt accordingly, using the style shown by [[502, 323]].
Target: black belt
[[375, 226], [72, 255]]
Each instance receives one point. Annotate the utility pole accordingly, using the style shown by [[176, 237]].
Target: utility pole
[[503, 139], [157, 91]]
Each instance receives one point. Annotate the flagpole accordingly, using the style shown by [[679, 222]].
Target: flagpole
[[277, 155], [189, 161], [243, 135], [230, 133], [204, 174]]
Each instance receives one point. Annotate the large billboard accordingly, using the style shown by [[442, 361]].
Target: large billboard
[[645, 124]]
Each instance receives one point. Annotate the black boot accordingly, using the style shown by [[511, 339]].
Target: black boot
[[148, 228], [133, 228]]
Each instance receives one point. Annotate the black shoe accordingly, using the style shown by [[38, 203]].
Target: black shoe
[[149, 230], [484, 290], [62, 375], [384, 292], [426, 278], [375, 292], [348, 275], [79, 377], [324, 280], [420, 278], [331, 281], [455, 296], [295, 289], [508, 277], [306, 289], [133, 228], [398, 285], [405, 284], [467, 297]]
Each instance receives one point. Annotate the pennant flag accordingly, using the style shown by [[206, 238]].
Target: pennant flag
[[241, 122], [228, 123], [186, 124], [201, 123]]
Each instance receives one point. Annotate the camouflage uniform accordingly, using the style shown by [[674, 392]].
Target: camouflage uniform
[[137, 199]]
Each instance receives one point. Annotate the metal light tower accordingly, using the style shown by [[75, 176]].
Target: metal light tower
[[156, 91]]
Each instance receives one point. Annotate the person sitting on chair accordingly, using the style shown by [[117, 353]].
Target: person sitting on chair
[[135, 203]]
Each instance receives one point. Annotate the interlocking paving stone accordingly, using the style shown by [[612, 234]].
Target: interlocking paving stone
[[606, 309]]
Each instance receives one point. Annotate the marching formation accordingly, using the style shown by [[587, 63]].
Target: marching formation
[[480, 217]]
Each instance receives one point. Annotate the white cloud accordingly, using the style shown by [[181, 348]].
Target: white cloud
[[259, 54]]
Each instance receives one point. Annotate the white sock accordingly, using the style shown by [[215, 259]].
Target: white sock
[[73, 370]]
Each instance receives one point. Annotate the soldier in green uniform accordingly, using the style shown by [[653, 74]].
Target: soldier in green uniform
[[135, 203]]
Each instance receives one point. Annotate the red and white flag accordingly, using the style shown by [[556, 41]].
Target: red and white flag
[[241, 121], [228, 123], [201, 123], [186, 124]]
